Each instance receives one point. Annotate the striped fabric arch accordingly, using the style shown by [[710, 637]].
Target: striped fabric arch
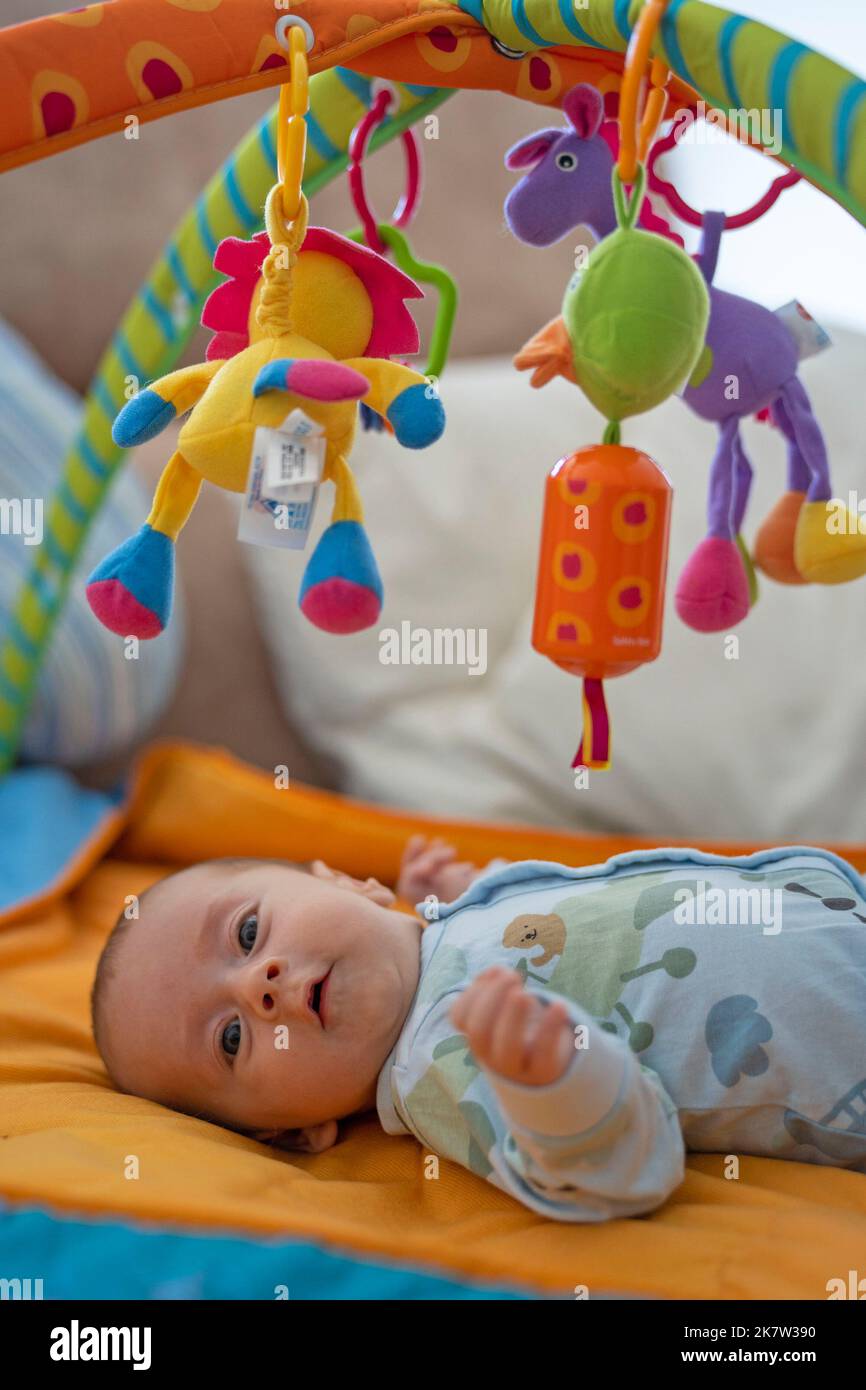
[[72, 77]]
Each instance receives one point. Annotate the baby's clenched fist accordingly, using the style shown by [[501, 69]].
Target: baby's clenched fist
[[518, 1035]]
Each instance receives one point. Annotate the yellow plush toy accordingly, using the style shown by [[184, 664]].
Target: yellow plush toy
[[307, 320]]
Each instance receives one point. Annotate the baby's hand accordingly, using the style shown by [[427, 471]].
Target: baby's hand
[[430, 869], [512, 1032]]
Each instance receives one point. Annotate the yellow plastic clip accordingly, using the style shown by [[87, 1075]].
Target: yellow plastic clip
[[634, 141], [292, 125]]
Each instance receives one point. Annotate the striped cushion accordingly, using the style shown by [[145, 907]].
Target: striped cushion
[[91, 700]]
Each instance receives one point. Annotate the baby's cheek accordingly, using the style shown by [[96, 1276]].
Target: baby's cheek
[[289, 1069]]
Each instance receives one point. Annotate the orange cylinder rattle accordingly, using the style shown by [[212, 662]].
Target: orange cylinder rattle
[[601, 575]]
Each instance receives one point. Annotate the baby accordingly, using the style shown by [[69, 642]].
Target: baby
[[564, 1033]]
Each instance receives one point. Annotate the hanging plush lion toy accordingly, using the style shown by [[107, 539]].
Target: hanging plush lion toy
[[308, 319]]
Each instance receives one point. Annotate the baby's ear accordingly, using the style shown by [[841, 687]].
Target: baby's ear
[[370, 888], [312, 1139]]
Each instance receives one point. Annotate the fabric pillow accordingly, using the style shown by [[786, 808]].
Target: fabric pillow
[[763, 746], [90, 700]]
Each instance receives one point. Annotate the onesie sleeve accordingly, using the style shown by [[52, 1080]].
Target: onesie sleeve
[[604, 1141]]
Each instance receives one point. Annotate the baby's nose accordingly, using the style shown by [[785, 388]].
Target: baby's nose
[[265, 988]]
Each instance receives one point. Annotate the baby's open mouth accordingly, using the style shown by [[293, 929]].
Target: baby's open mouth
[[317, 996]]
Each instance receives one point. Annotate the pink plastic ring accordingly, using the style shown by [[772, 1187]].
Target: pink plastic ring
[[358, 141], [691, 215]]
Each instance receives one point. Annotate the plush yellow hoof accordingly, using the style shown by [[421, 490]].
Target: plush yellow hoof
[[749, 567], [829, 547], [774, 543]]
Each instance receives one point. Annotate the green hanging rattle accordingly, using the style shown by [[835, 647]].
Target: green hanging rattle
[[636, 317]]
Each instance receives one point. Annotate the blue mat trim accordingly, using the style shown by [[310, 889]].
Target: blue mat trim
[[77, 1259], [46, 818]]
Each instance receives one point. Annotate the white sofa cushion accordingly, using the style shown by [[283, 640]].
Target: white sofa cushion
[[766, 746]]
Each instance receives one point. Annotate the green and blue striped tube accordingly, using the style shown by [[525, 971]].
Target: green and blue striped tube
[[732, 62], [151, 338]]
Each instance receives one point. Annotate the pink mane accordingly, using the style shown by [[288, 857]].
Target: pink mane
[[227, 308], [609, 131], [649, 218]]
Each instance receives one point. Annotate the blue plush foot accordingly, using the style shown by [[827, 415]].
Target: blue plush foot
[[417, 416], [130, 591], [142, 418], [341, 590]]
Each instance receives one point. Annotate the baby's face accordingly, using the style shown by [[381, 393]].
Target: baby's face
[[262, 996]]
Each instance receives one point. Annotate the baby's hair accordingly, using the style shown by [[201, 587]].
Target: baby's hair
[[107, 966]]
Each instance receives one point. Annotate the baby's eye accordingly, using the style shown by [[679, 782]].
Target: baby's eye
[[231, 1038], [247, 933]]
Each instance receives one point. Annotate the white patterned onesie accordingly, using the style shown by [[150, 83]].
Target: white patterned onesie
[[719, 1005]]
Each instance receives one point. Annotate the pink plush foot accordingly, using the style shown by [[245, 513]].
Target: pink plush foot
[[713, 592], [325, 381], [341, 606], [120, 611]]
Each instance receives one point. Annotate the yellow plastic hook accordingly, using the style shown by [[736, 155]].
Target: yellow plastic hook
[[292, 125]]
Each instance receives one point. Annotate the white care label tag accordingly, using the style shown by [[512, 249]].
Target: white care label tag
[[808, 334], [295, 453], [283, 483]]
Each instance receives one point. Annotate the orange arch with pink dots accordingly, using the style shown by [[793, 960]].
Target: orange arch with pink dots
[[69, 78]]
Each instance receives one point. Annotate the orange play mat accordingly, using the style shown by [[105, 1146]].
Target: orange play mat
[[781, 1231]]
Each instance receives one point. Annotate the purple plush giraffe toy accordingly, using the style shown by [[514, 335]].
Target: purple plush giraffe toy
[[749, 354]]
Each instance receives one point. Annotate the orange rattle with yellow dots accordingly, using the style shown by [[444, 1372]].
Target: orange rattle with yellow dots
[[601, 575]]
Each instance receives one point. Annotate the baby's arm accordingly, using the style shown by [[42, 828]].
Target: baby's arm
[[430, 868], [591, 1134]]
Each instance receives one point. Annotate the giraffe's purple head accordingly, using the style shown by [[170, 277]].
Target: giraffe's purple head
[[568, 174]]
